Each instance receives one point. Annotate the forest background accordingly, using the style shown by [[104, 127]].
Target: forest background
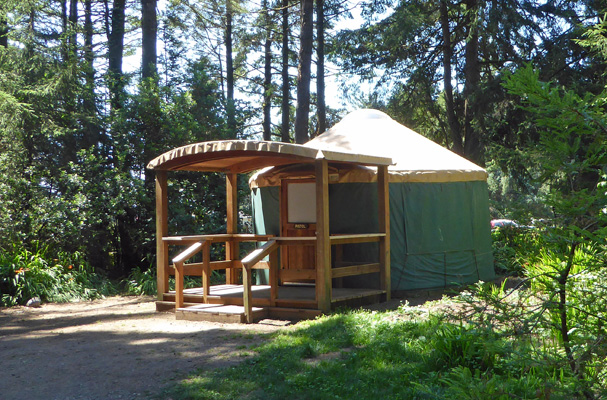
[[516, 86]]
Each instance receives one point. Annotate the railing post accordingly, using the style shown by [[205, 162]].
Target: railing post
[[178, 263], [247, 264], [247, 301], [178, 285], [206, 270], [273, 276]]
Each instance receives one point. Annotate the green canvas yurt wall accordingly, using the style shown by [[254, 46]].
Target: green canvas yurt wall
[[439, 211]]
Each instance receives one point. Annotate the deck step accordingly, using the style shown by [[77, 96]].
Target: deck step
[[218, 313], [164, 305]]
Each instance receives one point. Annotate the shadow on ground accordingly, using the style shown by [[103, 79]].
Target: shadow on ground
[[118, 348]]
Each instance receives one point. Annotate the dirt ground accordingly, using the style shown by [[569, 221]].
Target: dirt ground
[[115, 348], [118, 348]]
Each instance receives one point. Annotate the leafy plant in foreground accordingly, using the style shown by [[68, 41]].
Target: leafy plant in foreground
[[25, 274]]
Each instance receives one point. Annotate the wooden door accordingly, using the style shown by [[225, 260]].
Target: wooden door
[[298, 219]]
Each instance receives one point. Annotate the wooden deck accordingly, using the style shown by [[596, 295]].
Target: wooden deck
[[225, 302]]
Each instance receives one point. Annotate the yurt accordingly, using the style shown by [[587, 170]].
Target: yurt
[[439, 212]]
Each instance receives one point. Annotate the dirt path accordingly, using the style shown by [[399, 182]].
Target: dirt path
[[116, 348]]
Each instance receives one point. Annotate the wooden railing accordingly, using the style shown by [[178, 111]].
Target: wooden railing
[[178, 262], [268, 249], [203, 243], [254, 261], [347, 269]]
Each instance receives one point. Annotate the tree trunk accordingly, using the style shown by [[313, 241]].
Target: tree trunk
[[472, 146], [150, 116], [267, 81], [89, 104], [304, 72], [321, 109], [286, 86], [73, 28], [64, 46], [230, 106], [115, 55], [3, 31], [454, 126], [149, 26]]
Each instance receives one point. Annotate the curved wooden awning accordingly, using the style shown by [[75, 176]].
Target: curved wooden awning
[[242, 156]]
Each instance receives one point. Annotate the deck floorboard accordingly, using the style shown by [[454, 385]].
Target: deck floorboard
[[286, 292]]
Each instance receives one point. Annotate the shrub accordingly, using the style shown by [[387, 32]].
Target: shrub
[[25, 274], [513, 249]]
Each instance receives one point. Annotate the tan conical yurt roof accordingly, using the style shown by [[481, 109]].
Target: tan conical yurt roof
[[415, 158]]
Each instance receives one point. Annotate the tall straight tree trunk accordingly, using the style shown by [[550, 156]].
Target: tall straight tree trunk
[[122, 242], [267, 80], [304, 72], [230, 106], [115, 54], [64, 17], [73, 28], [151, 113], [3, 31], [472, 144], [149, 28], [286, 85], [89, 104], [454, 125], [321, 109], [69, 18]]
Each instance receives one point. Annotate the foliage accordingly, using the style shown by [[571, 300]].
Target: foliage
[[564, 301], [398, 354], [52, 278], [141, 282], [514, 249]]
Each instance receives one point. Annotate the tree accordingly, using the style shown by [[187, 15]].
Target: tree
[[441, 59], [89, 101], [320, 67], [286, 83], [149, 26], [150, 112], [569, 158], [115, 38], [267, 81], [304, 72], [3, 30]]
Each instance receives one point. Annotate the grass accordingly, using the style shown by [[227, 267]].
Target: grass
[[383, 355]]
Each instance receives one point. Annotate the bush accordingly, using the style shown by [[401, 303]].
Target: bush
[[26, 274], [142, 282], [513, 249]]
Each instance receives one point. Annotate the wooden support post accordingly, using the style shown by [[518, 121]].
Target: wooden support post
[[206, 270], [383, 201], [247, 300], [232, 224], [162, 230], [178, 285], [273, 277], [323, 241]]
